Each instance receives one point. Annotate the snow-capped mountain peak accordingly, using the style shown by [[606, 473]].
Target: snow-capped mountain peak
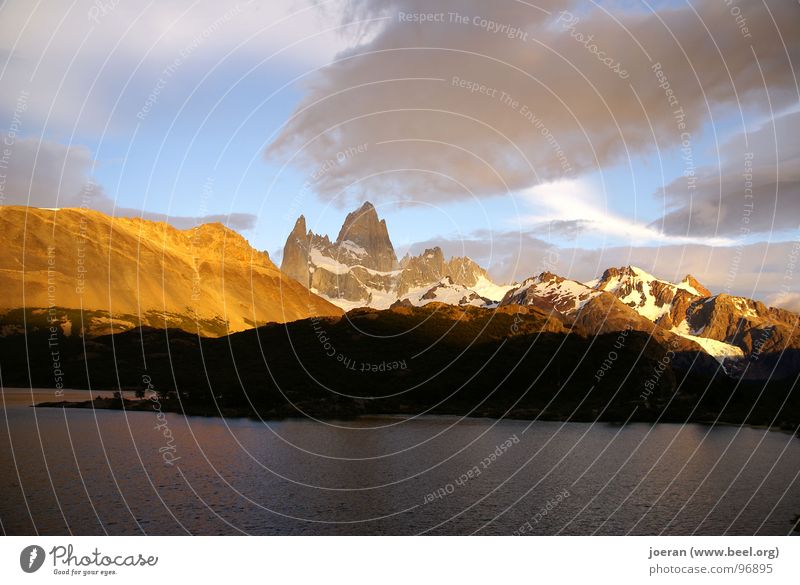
[[649, 296], [550, 291]]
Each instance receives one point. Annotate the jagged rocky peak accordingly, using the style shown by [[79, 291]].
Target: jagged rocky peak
[[691, 284], [466, 271], [626, 274], [613, 271], [360, 267], [427, 266], [449, 292], [649, 296], [548, 277], [364, 234], [729, 328], [622, 281], [423, 269], [300, 227], [431, 266], [295, 253]]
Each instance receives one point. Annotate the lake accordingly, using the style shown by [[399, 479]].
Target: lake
[[72, 471]]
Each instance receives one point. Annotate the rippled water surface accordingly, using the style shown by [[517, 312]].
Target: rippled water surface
[[94, 472]]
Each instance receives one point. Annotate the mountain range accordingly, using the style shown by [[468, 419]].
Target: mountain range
[[360, 269], [91, 275]]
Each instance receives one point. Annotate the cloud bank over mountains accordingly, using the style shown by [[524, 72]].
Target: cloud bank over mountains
[[456, 101], [468, 99]]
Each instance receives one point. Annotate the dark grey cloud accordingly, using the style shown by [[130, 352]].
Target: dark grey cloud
[[426, 100], [755, 189]]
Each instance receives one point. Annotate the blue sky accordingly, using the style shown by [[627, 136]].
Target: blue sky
[[241, 71]]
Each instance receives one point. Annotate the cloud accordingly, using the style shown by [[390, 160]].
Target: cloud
[[567, 229], [508, 95], [507, 256], [89, 63], [755, 189], [790, 301], [49, 174], [235, 221], [568, 208]]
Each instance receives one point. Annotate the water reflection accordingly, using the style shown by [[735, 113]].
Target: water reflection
[[96, 472]]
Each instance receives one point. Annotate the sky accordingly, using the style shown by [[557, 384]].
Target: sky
[[528, 135]]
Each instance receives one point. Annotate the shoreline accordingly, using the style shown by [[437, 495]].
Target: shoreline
[[174, 407]]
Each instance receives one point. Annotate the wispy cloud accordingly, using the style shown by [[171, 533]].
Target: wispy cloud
[[569, 207]]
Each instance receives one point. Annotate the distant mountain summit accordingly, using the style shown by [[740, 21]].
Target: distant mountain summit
[[360, 268]]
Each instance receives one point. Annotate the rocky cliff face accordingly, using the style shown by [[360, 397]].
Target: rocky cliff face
[[746, 323], [125, 272], [365, 238], [361, 269]]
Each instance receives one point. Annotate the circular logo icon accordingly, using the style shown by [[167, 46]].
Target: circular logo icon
[[31, 558]]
